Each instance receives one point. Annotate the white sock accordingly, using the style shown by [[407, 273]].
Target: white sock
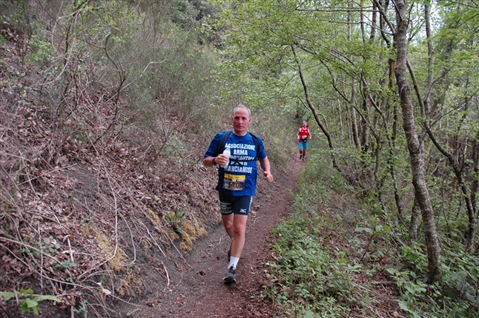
[[233, 262]]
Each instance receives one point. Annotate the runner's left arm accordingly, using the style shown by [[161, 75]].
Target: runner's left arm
[[265, 165]]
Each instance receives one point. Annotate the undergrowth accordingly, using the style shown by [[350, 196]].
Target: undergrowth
[[314, 273], [337, 257]]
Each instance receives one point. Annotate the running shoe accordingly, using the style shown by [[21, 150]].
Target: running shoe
[[230, 276]]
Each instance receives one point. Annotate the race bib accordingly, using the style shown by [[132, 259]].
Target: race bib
[[234, 182]]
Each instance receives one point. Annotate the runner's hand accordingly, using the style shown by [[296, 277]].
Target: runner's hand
[[222, 159], [268, 176]]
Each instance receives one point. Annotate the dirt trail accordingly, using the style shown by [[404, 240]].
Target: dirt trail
[[200, 291]]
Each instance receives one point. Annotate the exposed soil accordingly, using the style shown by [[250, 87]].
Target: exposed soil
[[200, 292]]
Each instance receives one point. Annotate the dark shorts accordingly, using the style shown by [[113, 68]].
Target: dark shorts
[[237, 205]]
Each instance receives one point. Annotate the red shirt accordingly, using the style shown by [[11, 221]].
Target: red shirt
[[303, 133]]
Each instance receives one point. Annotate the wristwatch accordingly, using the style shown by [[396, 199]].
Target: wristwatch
[[214, 161]]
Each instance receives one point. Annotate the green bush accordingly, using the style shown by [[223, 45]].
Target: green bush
[[27, 301]]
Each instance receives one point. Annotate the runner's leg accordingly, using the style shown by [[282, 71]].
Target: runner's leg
[[228, 220], [239, 235], [235, 212]]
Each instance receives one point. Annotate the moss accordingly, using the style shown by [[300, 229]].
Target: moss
[[116, 259], [187, 244], [200, 232], [131, 284], [153, 216], [189, 228], [145, 245], [172, 234]]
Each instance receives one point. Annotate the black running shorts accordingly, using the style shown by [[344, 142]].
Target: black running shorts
[[237, 205]]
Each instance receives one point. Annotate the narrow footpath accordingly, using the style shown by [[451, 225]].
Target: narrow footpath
[[200, 291]]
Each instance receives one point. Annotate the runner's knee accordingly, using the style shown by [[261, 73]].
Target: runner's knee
[[239, 230]]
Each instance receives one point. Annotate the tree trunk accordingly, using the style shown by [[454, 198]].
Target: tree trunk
[[475, 182], [416, 151], [414, 224], [365, 131]]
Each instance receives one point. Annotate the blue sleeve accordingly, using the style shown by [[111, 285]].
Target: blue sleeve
[[262, 152], [213, 148]]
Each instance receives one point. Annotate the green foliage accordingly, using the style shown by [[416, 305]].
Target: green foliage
[[308, 277], [81, 309], [311, 276], [174, 219], [67, 264], [456, 295], [27, 301], [171, 77], [132, 312], [307, 263], [41, 51], [412, 290], [147, 54]]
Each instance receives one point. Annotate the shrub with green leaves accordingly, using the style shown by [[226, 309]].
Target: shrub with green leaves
[[28, 301], [309, 276]]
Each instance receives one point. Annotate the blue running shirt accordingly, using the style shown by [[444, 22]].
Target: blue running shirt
[[239, 177]]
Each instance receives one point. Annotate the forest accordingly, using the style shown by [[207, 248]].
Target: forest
[[108, 106]]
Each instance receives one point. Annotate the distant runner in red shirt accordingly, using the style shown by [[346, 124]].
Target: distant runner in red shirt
[[303, 135]]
